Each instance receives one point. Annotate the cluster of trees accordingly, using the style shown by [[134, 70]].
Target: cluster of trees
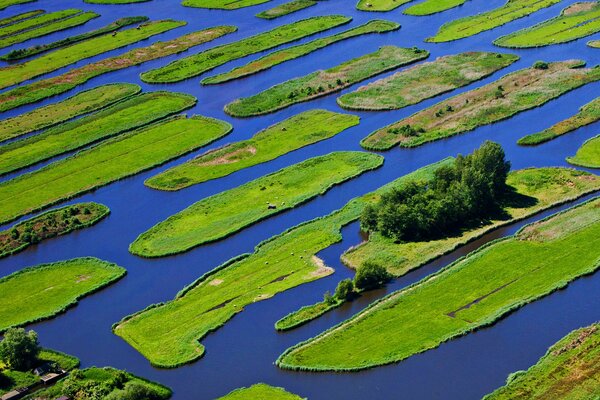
[[120, 387], [368, 276], [68, 218], [468, 191], [19, 350]]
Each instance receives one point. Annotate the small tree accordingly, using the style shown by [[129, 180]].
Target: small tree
[[370, 275], [344, 290], [540, 65], [19, 349], [328, 298]]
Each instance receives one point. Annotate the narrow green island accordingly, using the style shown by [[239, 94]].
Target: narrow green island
[[131, 113], [574, 22], [425, 80], [109, 161], [513, 93], [19, 17], [286, 8], [588, 114], [49, 87], [380, 5], [472, 25], [588, 155], [228, 212], [115, 1], [567, 371], [291, 53], [43, 291], [260, 391], [197, 64], [222, 4], [34, 21], [7, 3], [53, 114], [50, 224], [307, 313], [19, 54], [323, 82], [288, 135], [594, 43], [429, 7], [473, 292]]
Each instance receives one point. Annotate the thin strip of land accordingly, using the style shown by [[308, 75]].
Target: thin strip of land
[[429, 7], [291, 134], [7, 3], [286, 8], [19, 17], [222, 4], [594, 43], [425, 80], [588, 114], [574, 22], [45, 88], [260, 391], [380, 5], [43, 291], [588, 155], [291, 53], [513, 93], [37, 21], [306, 314], [473, 292], [109, 161], [197, 64], [114, 1], [323, 82], [223, 214], [472, 25], [131, 113]]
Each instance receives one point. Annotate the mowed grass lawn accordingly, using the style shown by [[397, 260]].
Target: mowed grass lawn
[[429, 7], [283, 137], [260, 391], [588, 154], [225, 213], [42, 291], [473, 292], [106, 162]]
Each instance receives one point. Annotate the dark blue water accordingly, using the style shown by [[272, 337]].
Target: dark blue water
[[243, 351]]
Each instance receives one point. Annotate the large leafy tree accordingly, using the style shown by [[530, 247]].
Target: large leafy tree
[[19, 349]]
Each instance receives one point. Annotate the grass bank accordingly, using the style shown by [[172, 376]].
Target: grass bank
[[197, 64], [588, 154], [291, 53], [223, 214], [19, 17], [425, 80], [380, 5], [45, 88], [588, 114], [471, 293], [286, 8], [7, 3], [131, 113], [109, 161], [429, 7], [43, 291], [324, 82], [306, 314], [472, 25], [222, 4], [291, 134], [260, 391], [513, 93]]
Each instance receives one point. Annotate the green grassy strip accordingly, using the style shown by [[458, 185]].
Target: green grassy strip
[[472, 25], [323, 82], [114, 1], [19, 54], [260, 391], [286, 8], [126, 115], [588, 155], [45, 88], [291, 134], [380, 5], [222, 215], [222, 4], [40, 20], [425, 80], [473, 292], [7, 3], [574, 22], [43, 291], [197, 64], [291, 53], [513, 93], [306, 314], [50, 224], [594, 43], [587, 114], [109, 161], [19, 17], [168, 334], [60, 58], [429, 7], [568, 371], [82, 103], [46, 29]]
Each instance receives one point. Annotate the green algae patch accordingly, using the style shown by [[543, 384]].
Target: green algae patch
[[197, 64], [471, 293], [260, 391], [324, 82], [43, 291], [108, 161], [588, 154], [286, 8], [425, 80], [228, 212], [513, 93], [429, 7], [291, 134]]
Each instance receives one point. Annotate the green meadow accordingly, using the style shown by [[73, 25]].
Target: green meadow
[[194, 65], [109, 161], [588, 155], [222, 4], [380, 5], [513, 93], [8, 3], [281, 138], [43, 291], [34, 21], [471, 293], [429, 7], [126, 115], [286, 8], [260, 391], [323, 82], [19, 17], [228, 212]]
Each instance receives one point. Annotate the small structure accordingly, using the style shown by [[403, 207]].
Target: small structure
[[42, 369], [52, 377], [64, 398], [15, 394]]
